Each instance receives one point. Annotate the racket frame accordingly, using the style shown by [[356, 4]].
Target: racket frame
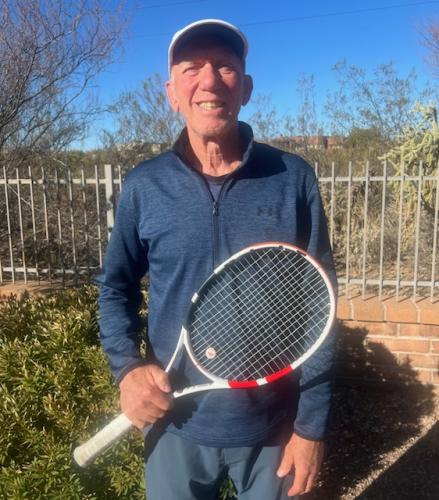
[[220, 383]]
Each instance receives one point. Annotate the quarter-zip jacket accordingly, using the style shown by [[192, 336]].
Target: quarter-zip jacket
[[168, 225]]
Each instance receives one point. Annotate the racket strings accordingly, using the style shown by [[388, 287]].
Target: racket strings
[[212, 301], [282, 320], [259, 314], [280, 350], [246, 333], [276, 304]]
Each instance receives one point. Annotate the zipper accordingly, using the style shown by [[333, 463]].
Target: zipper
[[215, 225], [215, 214]]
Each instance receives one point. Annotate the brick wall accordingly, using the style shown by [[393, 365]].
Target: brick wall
[[398, 340]]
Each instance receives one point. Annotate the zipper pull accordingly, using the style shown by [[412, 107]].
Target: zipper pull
[[215, 208]]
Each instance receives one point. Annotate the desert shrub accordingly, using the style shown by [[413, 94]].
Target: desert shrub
[[55, 391]]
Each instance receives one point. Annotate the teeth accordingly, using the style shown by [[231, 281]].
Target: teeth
[[210, 105]]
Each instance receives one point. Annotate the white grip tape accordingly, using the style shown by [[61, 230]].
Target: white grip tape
[[86, 453]]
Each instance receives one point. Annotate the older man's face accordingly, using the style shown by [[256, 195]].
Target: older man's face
[[208, 87]]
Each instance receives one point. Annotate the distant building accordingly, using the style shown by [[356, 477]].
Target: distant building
[[297, 142]]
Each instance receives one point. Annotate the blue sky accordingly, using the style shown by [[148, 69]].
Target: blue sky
[[286, 39]]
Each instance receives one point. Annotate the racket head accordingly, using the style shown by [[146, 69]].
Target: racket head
[[260, 315]]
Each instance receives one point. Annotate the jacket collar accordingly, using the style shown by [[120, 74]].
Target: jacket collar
[[245, 131]]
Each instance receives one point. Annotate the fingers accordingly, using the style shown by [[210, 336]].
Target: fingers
[[160, 378], [287, 462], [304, 458], [145, 395], [302, 483]]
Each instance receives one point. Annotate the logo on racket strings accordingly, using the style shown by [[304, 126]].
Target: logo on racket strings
[[210, 353]]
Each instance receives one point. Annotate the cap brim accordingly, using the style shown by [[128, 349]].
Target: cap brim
[[216, 28]]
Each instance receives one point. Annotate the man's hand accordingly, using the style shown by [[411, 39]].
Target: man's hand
[[145, 395], [304, 458]]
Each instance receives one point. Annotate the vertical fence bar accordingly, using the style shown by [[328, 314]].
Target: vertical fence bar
[[8, 220], [59, 221], [98, 213], [20, 220], [348, 229], [366, 210], [418, 230], [72, 223], [398, 251], [383, 214], [435, 231], [46, 222], [85, 219], [34, 227], [109, 198], [331, 231], [119, 177]]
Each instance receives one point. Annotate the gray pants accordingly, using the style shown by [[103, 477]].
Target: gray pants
[[179, 470]]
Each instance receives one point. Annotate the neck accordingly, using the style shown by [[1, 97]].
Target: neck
[[216, 156]]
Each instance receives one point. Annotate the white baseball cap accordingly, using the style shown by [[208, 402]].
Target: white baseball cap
[[205, 27]]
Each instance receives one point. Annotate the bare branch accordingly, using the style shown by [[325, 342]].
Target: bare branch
[[50, 51]]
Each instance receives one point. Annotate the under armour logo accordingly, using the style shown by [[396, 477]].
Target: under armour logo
[[264, 211]]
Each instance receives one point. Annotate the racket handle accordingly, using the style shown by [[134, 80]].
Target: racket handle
[[85, 454]]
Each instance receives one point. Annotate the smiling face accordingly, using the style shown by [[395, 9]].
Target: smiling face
[[208, 87]]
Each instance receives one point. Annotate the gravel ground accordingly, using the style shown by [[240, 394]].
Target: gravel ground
[[384, 438], [384, 444]]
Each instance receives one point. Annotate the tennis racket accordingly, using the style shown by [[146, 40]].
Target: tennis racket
[[260, 315]]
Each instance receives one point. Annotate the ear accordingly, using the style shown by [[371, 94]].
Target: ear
[[248, 89], [172, 98]]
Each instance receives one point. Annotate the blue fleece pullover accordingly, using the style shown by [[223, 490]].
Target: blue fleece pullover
[[169, 226]]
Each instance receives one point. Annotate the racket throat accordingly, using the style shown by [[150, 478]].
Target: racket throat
[[223, 384]]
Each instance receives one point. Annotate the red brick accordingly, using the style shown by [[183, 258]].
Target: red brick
[[424, 376], [435, 346], [353, 325], [402, 345], [408, 329], [420, 360], [381, 328], [429, 331], [403, 311], [411, 345], [343, 308], [32, 288], [428, 312], [367, 309], [387, 342]]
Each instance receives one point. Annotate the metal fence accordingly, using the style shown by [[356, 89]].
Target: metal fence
[[383, 227]]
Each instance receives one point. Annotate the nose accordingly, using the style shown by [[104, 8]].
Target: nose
[[209, 77]]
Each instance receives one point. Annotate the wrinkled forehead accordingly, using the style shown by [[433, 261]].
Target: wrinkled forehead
[[205, 46]]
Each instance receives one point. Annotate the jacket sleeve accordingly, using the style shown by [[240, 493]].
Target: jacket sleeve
[[120, 290], [317, 372]]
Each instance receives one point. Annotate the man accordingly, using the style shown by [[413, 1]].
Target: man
[[180, 215]]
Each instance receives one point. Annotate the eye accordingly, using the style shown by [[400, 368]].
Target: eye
[[191, 70], [226, 69]]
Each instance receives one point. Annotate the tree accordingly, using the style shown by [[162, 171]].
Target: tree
[[381, 102], [306, 121], [144, 122], [430, 37], [419, 145], [50, 51], [265, 119]]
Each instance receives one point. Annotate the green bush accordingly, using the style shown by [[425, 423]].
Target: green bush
[[56, 391]]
